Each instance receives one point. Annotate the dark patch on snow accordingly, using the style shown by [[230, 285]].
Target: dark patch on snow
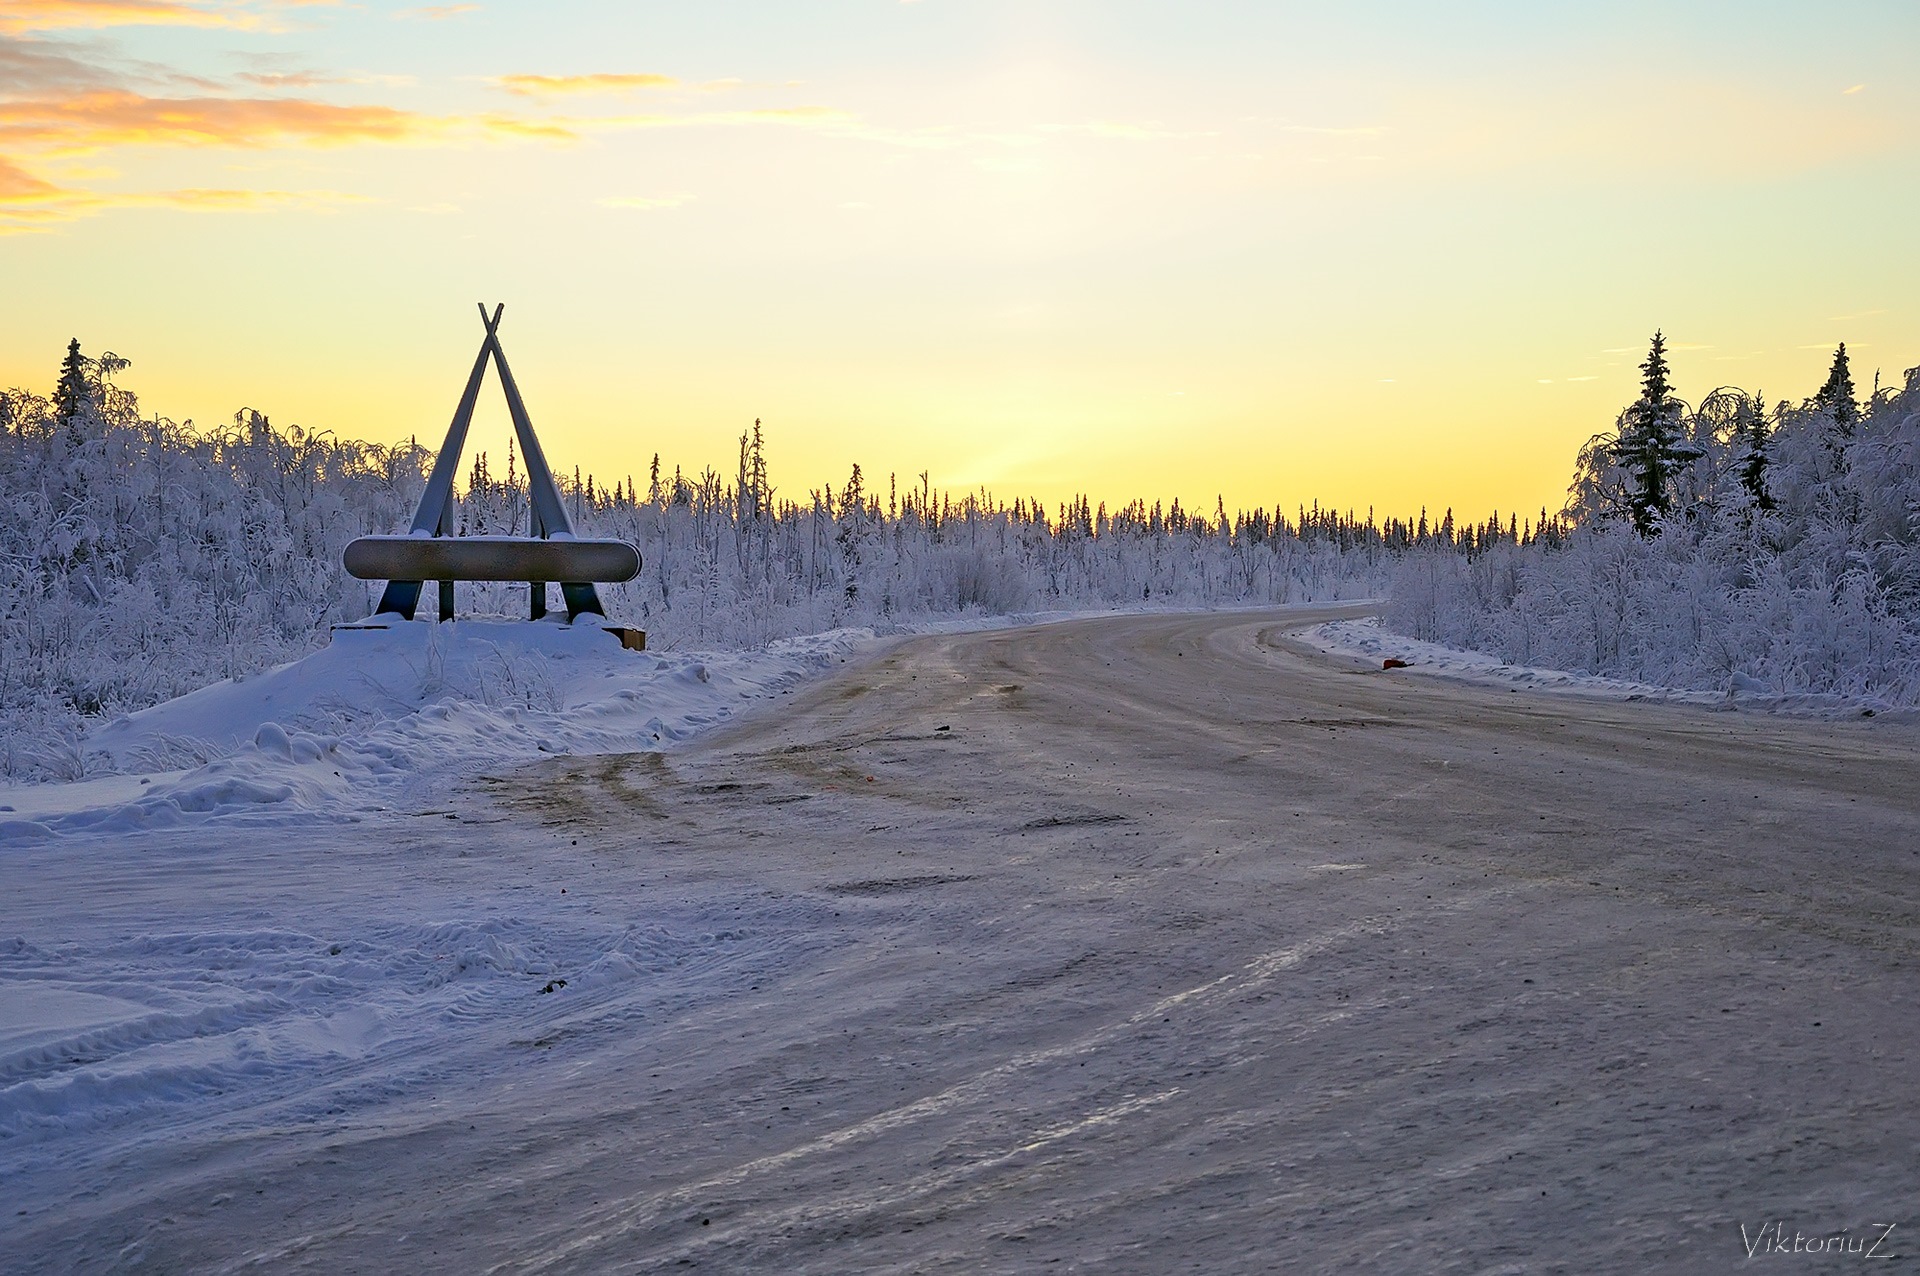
[[1069, 821], [889, 885]]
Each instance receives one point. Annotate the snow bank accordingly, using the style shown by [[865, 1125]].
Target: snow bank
[[1369, 640], [361, 724], [380, 718]]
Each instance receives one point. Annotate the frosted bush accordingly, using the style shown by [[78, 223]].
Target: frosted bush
[[1813, 590]]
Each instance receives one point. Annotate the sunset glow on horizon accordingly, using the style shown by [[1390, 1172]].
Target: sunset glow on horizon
[[1392, 256]]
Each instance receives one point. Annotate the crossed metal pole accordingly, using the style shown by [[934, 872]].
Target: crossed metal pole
[[436, 514]]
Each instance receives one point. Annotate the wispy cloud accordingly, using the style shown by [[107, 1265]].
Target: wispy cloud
[[1318, 130], [573, 126], [1124, 131], [1605, 125], [287, 79], [18, 184], [52, 15], [29, 203], [563, 85], [239, 201], [1858, 88], [29, 67], [780, 115], [435, 12], [644, 203], [48, 15], [528, 128], [59, 101], [93, 120]]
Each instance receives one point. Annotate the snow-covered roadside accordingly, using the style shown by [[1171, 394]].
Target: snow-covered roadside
[[231, 946], [380, 718], [278, 934], [1369, 640], [363, 724]]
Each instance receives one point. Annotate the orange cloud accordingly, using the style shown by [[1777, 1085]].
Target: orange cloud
[[29, 203], [525, 127], [116, 117], [52, 104], [235, 201], [16, 184], [96, 119], [287, 79], [48, 15], [555, 85], [42, 15]]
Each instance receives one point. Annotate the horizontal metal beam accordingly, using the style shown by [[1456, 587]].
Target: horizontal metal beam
[[490, 558]]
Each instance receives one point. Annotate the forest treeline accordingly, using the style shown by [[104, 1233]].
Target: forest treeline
[[1734, 546], [1730, 545], [141, 558]]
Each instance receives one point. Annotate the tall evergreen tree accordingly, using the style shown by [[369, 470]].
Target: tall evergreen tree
[[1836, 396], [1751, 442], [1650, 444], [855, 496], [74, 390]]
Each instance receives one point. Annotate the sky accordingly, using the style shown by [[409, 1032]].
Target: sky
[[1388, 255]]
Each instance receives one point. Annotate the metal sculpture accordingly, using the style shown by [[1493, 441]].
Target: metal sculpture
[[431, 551]]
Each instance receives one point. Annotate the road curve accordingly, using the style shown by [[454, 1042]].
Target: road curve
[[1158, 944]]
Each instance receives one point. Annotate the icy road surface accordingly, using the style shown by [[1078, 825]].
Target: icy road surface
[[1143, 943]]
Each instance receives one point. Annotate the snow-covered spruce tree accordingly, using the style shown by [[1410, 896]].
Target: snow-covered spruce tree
[[1650, 443], [73, 393], [1795, 568], [1835, 398], [1750, 458]]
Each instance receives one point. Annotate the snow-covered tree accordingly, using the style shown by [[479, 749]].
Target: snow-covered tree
[[73, 393], [1750, 456], [1836, 397], [1650, 444], [1796, 568], [141, 558]]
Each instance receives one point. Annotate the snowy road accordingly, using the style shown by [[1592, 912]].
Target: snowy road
[[1139, 943]]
